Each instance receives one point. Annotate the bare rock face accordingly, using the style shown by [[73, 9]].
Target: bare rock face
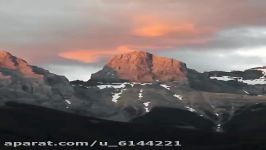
[[11, 62], [141, 66], [22, 82]]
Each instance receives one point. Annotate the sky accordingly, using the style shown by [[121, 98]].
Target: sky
[[77, 37]]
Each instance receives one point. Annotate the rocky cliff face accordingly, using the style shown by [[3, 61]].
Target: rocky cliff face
[[138, 82], [141, 66], [11, 62], [22, 82], [215, 96]]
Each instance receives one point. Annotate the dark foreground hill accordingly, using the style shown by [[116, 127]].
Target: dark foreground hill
[[21, 122]]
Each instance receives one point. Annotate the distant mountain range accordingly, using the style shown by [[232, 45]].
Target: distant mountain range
[[139, 87]]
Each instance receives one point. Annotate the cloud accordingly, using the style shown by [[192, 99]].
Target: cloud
[[219, 59], [87, 56], [72, 72], [92, 56], [233, 39], [81, 31], [41, 30], [148, 26], [259, 52]]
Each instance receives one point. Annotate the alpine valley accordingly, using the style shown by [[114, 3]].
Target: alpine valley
[[136, 94]]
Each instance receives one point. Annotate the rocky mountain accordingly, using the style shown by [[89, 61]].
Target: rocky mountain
[[134, 86], [139, 66], [251, 81], [130, 81], [22, 82]]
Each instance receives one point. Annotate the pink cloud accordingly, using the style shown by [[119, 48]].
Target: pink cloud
[[92, 56]]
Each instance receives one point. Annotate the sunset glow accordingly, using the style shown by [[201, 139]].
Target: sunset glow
[[87, 33], [148, 26], [92, 56]]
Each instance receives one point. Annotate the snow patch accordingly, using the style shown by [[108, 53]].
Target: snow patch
[[147, 104], [116, 96], [179, 97], [145, 84], [131, 84], [121, 85], [219, 128], [223, 78], [261, 80], [165, 86], [140, 94], [115, 86], [245, 91], [68, 102], [254, 82], [147, 109], [190, 109]]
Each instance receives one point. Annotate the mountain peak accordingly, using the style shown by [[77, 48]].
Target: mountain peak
[[133, 54], [136, 52], [140, 66], [11, 62], [4, 54]]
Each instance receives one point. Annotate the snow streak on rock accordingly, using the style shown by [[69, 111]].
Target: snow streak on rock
[[179, 97], [165, 86], [261, 80], [190, 109], [140, 94], [115, 86], [116, 96], [147, 104]]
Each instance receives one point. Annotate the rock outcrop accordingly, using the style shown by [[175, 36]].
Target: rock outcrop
[[24, 83], [141, 66], [11, 62]]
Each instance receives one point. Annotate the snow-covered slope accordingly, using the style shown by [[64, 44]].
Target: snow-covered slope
[[260, 81]]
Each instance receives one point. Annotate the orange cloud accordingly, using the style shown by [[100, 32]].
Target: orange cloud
[[147, 26], [156, 30], [92, 56], [151, 33]]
